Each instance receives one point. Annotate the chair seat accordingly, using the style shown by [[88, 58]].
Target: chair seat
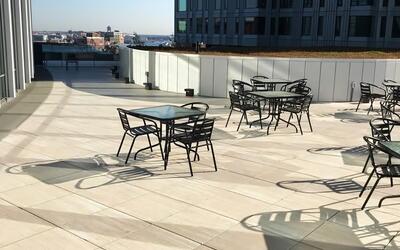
[[374, 95], [291, 109], [144, 130], [388, 171], [183, 126]]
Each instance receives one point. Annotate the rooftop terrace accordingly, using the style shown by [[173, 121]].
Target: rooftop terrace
[[61, 184]]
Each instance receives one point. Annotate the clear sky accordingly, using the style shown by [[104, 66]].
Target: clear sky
[[141, 16]]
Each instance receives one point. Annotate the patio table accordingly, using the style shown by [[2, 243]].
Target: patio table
[[275, 99], [166, 115], [271, 83], [393, 148]]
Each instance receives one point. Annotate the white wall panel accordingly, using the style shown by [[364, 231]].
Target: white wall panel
[[172, 73], [265, 67], [312, 73], [183, 73], [341, 81], [249, 69], [207, 76], [390, 70], [327, 81], [297, 69], [194, 74], [380, 72], [163, 72], [281, 69], [220, 77], [356, 71], [369, 72], [397, 74], [234, 71]]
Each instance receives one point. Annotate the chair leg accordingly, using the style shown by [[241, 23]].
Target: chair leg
[[366, 184], [371, 107], [245, 117], [277, 122], [213, 155], [240, 123], [189, 161], [358, 106], [160, 142], [366, 164], [130, 151], [195, 154], [290, 118], [260, 115], [309, 121], [370, 194], [122, 142], [151, 147], [229, 117], [391, 182], [299, 122]]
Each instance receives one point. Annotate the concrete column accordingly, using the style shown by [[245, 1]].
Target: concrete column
[[29, 17], [27, 41], [19, 43], [9, 48]]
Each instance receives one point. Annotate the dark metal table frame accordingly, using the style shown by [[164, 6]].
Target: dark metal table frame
[[160, 114], [276, 99], [394, 153]]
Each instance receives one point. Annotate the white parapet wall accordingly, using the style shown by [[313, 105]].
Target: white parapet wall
[[330, 79]]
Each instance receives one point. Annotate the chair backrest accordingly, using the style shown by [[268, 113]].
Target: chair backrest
[[235, 99], [124, 119], [381, 128], [202, 130], [307, 102], [258, 85], [200, 106], [373, 148], [365, 89], [296, 86], [240, 86], [387, 111]]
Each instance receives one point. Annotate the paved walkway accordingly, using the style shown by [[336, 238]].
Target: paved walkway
[[61, 186]]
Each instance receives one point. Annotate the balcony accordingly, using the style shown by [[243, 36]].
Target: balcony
[[61, 184]]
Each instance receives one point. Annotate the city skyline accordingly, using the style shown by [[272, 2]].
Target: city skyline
[[96, 15]]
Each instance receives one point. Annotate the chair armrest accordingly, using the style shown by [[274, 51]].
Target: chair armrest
[[389, 81], [378, 87]]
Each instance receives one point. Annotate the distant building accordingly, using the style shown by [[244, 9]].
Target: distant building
[[109, 28], [289, 23], [96, 42], [40, 38]]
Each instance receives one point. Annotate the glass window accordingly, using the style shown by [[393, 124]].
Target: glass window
[[397, 3], [273, 26], [199, 4], [237, 25], [254, 26], [360, 26], [382, 32], [182, 5], [385, 3], [321, 3], [217, 25], [217, 4], [182, 26], [396, 27], [308, 4], [362, 2], [284, 26], [306, 26], [338, 26], [199, 25], [320, 31], [339, 3], [225, 26], [286, 4], [256, 4], [206, 25]]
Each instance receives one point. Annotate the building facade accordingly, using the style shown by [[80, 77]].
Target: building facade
[[16, 48], [289, 23]]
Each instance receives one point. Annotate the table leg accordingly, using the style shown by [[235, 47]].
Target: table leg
[[167, 145]]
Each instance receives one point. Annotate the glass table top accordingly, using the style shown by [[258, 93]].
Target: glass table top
[[392, 147], [271, 81], [275, 94], [166, 112]]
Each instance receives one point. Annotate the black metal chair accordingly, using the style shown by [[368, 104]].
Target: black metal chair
[[243, 104], [259, 85], [298, 107], [138, 131], [387, 170], [381, 128], [387, 112], [181, 126], [240, 87], [199, 136], [368, 96], [295, 86]]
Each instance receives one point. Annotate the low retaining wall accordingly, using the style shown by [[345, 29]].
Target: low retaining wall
[[330, 79]]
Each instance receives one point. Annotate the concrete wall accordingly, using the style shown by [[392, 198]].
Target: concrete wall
[[330, 79]]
